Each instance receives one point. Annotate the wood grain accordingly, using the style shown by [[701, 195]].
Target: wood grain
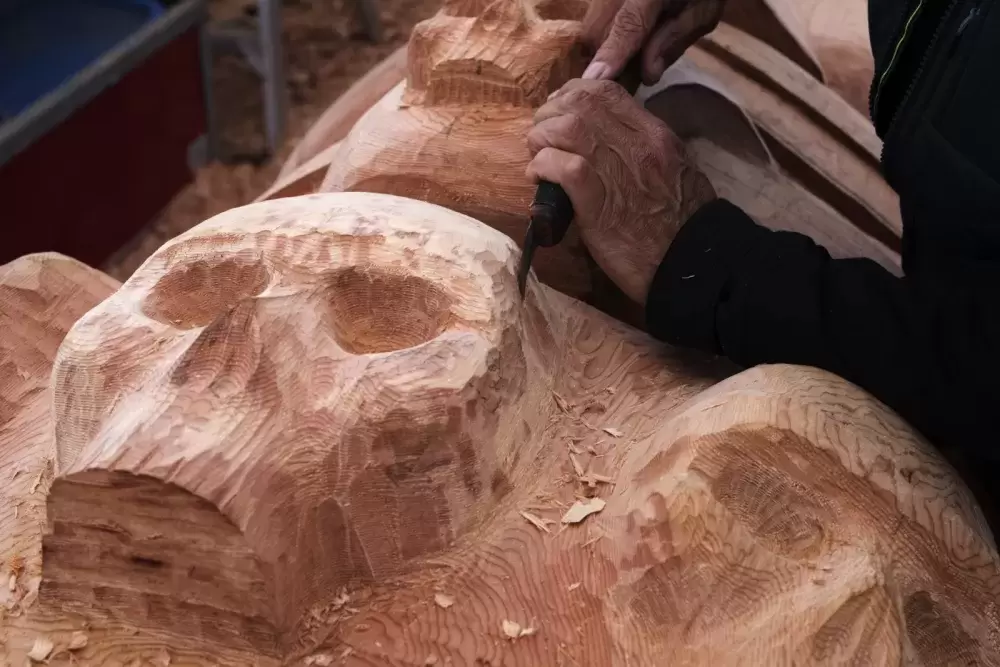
[[828, 39], [453, 134], [730, 149], [325, 430], [816, 137]]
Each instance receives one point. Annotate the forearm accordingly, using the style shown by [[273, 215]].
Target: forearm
[[758, 296]]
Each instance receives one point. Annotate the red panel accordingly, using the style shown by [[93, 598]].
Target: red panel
[[93, 181]]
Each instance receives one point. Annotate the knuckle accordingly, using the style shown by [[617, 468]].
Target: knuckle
[[576, 168]]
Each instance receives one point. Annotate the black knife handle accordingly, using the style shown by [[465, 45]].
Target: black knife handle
[[551, 213]]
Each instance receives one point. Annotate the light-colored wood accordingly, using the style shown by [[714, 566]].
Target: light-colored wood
[[454, 133], [341, 116], [778, 23], [826, 38], [304, 179], [734, 154], [469, 154], [325, 430], [818, 138], [838, 35]]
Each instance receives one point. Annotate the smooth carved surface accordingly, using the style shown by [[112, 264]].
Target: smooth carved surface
[[737, 159], [296, 479], [341, 116], [453, 133], [826, 38]]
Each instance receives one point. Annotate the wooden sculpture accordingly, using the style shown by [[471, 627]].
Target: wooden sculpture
[[326, 431], [453, 134]]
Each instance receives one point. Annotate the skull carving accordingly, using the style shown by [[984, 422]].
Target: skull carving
[[327, 429]]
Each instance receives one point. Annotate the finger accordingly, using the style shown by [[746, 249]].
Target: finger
[[673, 38], [634, 21], [574, 173], [581, 97], [567, 133]]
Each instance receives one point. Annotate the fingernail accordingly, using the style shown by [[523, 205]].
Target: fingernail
[[596, 71]]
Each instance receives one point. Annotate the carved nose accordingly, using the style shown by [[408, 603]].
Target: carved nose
[[375, 309]]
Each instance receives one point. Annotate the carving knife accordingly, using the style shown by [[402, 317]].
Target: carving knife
[[551, 210]]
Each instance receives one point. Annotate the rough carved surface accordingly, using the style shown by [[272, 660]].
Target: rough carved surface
[[453, 133], [470, 156], [325, 430]]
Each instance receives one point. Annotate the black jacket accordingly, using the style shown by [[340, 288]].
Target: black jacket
[[928, 344]]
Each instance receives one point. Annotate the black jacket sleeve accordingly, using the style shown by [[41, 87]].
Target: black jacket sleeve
[[734, 288]]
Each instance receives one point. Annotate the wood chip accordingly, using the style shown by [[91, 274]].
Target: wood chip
[[573, 449], [513, 630], [610, 390], [41, 649], [161, 659], [12, 583], [323, 659], [77, 641], [581, 509], [536, 521], [576, 466], [573, 587], [443, 601], [593, 479], [613, 432], [430, 660], [563, 404]]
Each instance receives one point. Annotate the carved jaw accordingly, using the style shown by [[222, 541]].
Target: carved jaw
[[333, 388]]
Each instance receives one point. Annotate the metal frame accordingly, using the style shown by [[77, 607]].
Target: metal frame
[[27, 127], [260, 43]]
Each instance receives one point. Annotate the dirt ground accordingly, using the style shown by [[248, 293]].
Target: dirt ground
[[326, 50]]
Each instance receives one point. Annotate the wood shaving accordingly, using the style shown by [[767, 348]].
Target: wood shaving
[[581, 509], [610, 390], [12, 583], [536, 521], [37, 482], [31, 592], [443, 601], [77, 641], [513, 630], [347, 652], [161, 659], [17, 509], [573, 449], [324, 659], [41, 649], [341, 599], [592, 479], [573, 587], [576, 466], [563, 404], [613, 432], [430, 660], [16, 564]]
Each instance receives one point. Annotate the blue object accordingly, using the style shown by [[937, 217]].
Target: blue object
[[44, 43]]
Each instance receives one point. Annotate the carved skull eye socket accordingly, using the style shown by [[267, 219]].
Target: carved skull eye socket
[[199, 292], [373, 309]]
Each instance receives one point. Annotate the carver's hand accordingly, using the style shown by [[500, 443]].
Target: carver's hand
[[628, 176], [663, 29]]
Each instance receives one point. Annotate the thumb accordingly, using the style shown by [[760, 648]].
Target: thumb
[[633, 22]]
